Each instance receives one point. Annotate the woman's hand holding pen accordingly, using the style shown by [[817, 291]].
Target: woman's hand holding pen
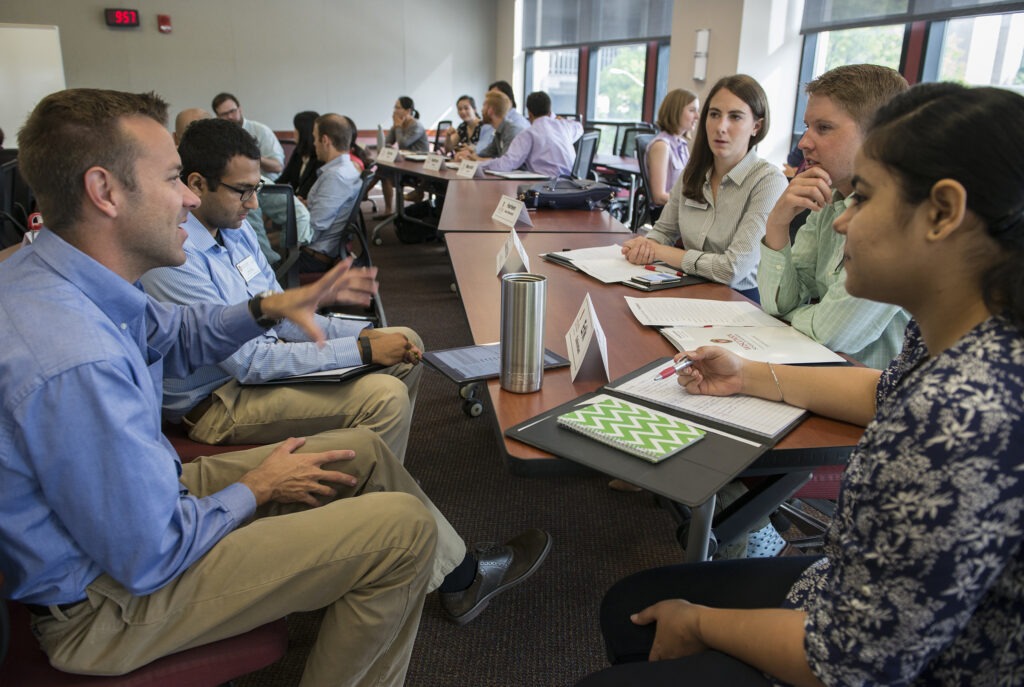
[[715, 372]]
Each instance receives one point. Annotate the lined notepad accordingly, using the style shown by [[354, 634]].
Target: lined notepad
[[632, 428]]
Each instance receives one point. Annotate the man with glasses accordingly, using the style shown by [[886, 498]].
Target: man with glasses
[[226, 107], [333, 196], [225, 403]]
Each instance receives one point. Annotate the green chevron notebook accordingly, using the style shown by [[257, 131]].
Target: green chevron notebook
[[632, 428]]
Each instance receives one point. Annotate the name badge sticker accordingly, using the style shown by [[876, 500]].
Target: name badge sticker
[[248, 269]]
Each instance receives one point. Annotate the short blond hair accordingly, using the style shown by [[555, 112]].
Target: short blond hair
[[499, 102], [859, 89]]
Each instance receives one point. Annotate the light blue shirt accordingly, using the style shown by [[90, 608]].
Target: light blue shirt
[[267, 141], [88, 483], [331, 199], [545, 147], [234, 272]]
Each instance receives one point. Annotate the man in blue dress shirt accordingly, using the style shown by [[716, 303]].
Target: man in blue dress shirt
[[225, 403], [334, 193], [123, 554]]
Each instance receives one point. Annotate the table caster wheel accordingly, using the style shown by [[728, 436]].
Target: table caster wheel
[[472, 407]]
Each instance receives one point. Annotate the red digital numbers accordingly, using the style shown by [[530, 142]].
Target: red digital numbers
[[122, 17]]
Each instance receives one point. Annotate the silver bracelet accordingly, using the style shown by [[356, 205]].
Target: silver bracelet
[[782, 397]]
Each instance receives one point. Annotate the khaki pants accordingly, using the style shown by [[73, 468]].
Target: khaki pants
[[368, 556], [382, 402]]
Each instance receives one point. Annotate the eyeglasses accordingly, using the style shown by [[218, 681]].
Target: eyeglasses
[[244, 193]]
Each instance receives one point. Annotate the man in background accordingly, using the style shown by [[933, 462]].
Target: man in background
[[334, 194], [226, 106], [495, 110], [545, 147]]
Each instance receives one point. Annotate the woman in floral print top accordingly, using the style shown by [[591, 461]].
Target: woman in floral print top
[[922, 582]]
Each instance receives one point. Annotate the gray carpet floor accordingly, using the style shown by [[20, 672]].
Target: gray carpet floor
[[544, 632]]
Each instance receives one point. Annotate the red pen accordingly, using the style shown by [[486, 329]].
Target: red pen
[[674, 369], [664, 270]]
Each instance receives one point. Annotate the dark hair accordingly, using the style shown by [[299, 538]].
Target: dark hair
[[335, 128], [940, 131], [355, 148], [747, 89], [472, 103], [72, 130], [208, 145], [859, 89], [303, 122], [538, 104], [221, 98], [506, 88], [407, 104]]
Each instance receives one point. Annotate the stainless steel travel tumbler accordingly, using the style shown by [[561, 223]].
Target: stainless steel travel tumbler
[[523, 301]]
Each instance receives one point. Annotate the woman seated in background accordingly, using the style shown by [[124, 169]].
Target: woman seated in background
[[360, 158], [300, 172], [668, 153], [922, 582], [468, 132], [410, 135], [720, 208]]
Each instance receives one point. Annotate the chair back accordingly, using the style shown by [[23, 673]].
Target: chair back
[[287, 272], [586, 149], [628, 140], [439, 138], [642, 204], [5, 623]]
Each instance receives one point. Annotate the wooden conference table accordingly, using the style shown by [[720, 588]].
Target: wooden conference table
[[426, 180], [630, 346], [470, 203]]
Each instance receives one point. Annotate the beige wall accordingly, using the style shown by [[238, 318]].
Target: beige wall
[[756, 37], [349, 56]]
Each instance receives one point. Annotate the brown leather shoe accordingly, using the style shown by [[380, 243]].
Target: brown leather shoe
[[499, 567]]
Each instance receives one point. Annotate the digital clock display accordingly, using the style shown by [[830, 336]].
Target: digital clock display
[[122, 17]]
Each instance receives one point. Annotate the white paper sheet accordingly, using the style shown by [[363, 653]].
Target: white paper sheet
[[697, 312], [782, 345], [767, 418]]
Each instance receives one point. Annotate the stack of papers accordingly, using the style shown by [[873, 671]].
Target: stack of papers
[[698, 312], [608, 265]]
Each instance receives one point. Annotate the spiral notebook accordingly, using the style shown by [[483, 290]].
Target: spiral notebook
[[632, 428]]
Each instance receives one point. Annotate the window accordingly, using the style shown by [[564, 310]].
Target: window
[[619, 83], [983, 51], [872, 44], [556, 73]]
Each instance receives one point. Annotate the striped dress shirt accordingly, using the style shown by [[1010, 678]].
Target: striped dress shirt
[[722, 237]]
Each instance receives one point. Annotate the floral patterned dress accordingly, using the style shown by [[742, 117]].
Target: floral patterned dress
[[923, 583]]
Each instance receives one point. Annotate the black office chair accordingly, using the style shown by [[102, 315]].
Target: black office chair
[[287, 271], [439, 138], [644, 211], [626, 142], [15, 202], [355, 230], [586, 149]]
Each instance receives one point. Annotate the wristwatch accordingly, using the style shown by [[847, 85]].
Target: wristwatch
[[256, 309]]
